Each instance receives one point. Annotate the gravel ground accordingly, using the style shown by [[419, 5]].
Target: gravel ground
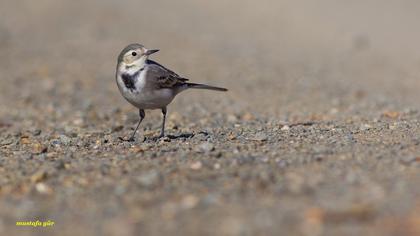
[[318, 135]]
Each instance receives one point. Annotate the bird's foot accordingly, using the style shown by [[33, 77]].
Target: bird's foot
[[161, 138], [125, 139]]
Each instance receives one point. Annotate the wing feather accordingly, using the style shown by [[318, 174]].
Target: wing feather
[[161, 77]]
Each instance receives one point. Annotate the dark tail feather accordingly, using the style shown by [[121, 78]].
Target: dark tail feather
[[203, 86]]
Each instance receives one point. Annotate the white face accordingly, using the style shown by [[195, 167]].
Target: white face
[[135, 57]]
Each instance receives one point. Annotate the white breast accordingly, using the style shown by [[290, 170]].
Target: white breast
[[145, 97], [141, 80]]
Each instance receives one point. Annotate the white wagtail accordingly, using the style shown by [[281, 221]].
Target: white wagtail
[[147, 84]]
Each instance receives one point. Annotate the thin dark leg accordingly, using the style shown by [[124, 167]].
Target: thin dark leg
[[142, 115], [162, 131]]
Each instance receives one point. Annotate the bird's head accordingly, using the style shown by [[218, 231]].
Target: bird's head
[[134, 55]]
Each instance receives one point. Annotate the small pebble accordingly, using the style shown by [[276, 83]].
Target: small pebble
[[205, 147], [189, 201], [65, 140], [285, 128], [260, 137], [39, 176], [25, 140], [365, 127], [149, 179], [247, 117], [232, 118], [196, 165], [38, 148], [43, 188]]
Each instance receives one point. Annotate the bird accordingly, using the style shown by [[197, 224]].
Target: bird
[[148, 85]]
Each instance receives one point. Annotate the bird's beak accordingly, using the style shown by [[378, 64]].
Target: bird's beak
[[151, 51]]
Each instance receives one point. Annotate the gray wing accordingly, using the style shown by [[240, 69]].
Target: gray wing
[[160, 77]]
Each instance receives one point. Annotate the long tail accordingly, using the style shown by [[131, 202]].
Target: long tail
[[203, 86]]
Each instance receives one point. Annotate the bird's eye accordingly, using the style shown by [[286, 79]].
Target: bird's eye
[[134, 54]]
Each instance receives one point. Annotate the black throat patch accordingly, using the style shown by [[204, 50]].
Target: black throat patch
[[130, 80]]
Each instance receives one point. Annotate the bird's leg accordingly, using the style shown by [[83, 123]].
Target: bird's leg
[[142, 115], [162, 131]]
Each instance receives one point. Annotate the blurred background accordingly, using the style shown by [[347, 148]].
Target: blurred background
[[281, 60], [302, 53]]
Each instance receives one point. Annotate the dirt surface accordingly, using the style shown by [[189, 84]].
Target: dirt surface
[[319, 133]]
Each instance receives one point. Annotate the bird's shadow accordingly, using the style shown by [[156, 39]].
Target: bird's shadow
[[183, 135], [165, 138]]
